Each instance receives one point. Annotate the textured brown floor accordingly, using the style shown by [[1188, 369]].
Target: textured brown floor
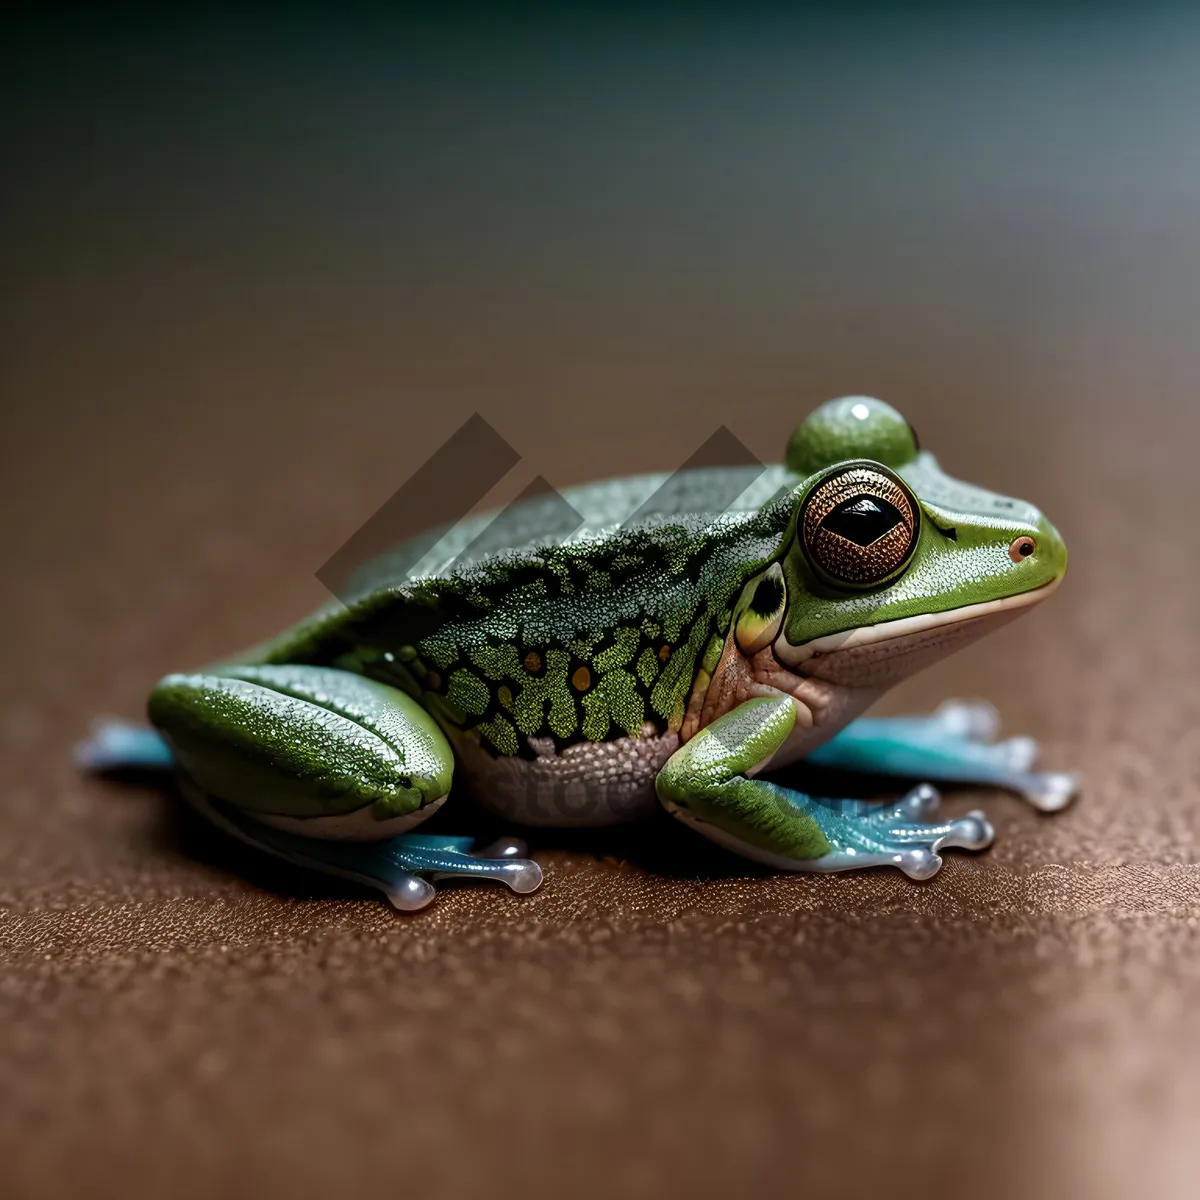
[[209, 385]]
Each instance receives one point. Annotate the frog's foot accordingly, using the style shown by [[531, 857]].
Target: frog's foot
[[708, 784], [405, 868], [903, 834], [116, 745], [977, 720], [954, 744], [451, 858]]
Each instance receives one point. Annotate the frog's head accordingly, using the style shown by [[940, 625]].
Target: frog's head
[[890, 563]]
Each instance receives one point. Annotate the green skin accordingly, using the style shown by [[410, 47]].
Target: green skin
[[599, 649]]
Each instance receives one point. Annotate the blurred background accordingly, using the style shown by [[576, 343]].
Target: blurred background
[[255, 269]]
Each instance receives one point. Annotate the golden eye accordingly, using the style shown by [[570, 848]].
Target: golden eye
[[860, 525], [1022, 548], [762, 614]]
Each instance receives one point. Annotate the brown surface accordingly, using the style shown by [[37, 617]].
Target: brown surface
[[220, 356]]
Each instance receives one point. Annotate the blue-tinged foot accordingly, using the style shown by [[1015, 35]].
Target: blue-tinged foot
[[905, 834], [404, 868], [116, 745], [954, 744]]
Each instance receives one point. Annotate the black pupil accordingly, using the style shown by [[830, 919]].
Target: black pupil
[[1025, 549], [767, 597], [862, 519]]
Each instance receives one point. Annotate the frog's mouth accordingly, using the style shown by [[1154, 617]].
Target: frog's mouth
[[882, 654]]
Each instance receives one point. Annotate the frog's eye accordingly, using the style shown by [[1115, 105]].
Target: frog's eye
[[1022, 548], [860, 525], [763, 612]]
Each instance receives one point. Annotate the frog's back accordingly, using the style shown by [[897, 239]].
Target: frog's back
[[560, 660]]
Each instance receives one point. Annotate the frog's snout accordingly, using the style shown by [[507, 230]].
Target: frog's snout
[[1038, 554], [1046, 548]]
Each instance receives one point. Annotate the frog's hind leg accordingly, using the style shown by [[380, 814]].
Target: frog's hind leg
[[328, 770], [955, 745]]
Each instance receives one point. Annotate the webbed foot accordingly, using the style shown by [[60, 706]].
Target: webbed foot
[[901, 834], [953, 744], [404, 868]]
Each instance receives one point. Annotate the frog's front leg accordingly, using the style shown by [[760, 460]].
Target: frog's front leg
[[954, 744], [708, 783], [321, 767]]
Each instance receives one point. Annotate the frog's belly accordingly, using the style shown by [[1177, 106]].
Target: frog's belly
[[587, 784]]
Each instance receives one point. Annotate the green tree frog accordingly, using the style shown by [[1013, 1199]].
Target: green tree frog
[[673, 659]]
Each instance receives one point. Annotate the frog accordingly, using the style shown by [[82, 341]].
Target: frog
[[691, 637]]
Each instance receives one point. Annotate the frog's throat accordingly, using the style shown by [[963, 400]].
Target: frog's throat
[[832, 679], [907, 627]]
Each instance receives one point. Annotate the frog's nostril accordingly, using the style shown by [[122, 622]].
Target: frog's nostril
[[1021, 548]]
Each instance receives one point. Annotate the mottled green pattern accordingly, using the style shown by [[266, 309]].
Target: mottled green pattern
[[586, 641], [591, 639]]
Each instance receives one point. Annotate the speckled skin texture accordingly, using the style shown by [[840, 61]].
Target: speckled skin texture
[[597, 640], [374, 746], [219, 359], [587, 784]]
